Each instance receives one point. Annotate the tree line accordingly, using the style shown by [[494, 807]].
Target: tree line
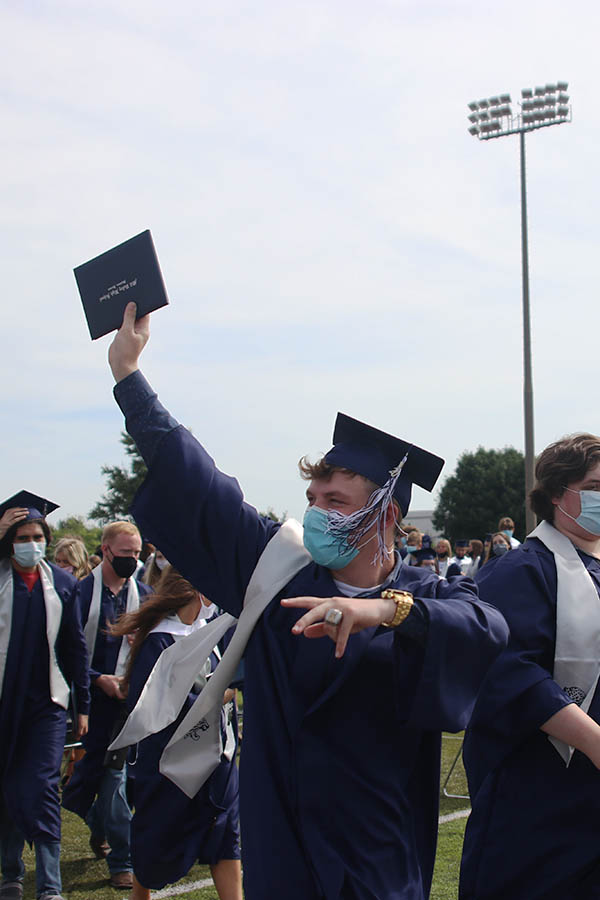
[[486, 485]]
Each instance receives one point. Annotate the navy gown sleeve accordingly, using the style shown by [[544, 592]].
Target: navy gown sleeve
[[71, 650], [519, 693], [205, 529], [437, 682]]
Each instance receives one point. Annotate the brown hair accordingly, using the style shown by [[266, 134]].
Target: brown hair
[[559, 465], [322, 469], [489, 550], [476, 547], [74, 549], [505, 522], [172, 593], [6, 543]]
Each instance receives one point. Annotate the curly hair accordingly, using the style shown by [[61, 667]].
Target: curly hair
[[559, 465]]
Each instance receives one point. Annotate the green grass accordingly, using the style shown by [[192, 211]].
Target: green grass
[[85, 877]]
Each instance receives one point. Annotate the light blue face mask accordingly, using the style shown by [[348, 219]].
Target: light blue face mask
[[29, 554], [508, 532], [589, 517], [411, 549], [325, 549]]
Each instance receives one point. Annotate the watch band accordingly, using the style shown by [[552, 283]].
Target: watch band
[[404, 603]]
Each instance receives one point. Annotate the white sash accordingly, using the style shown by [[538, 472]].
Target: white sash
[[91, 626], [195, 748], [59, 689], [577, 651]]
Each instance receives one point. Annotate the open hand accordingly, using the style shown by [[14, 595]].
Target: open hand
[[11, 517]]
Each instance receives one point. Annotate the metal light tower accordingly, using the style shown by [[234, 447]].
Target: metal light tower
[[493, 118]]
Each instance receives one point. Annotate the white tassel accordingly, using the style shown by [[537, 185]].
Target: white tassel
[[352, 528]]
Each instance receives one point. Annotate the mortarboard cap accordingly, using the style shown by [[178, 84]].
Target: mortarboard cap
[[424, 553], [38, 507], [462, 543], [373, 454]]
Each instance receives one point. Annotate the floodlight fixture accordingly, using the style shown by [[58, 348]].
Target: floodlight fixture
[[540, 107]]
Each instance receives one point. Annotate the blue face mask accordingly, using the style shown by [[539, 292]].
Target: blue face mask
[[411, 549], [325, 549], [500, 549], [403, 541], [508, 532], [589, 517]]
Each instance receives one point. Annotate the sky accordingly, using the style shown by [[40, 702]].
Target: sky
[[330, 235]]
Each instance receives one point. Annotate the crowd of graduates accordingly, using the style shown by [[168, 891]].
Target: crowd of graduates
[[361, 642]]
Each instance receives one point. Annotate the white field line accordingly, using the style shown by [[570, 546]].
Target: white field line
[[450, 817], [180, 889], [177, 890]]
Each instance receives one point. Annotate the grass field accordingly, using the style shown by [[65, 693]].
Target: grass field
[[84, 877]]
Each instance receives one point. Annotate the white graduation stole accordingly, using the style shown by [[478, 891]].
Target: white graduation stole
[[577, 649], [91, 626], [59, 689], [195, 748]]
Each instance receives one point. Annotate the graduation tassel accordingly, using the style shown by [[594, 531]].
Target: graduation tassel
[[351, 529]]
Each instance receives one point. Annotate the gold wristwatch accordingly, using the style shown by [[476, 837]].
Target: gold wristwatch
[[404, 603]]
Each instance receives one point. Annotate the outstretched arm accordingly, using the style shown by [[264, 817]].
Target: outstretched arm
[[128, 343]]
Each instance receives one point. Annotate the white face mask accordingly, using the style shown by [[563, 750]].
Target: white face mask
[[29, 554]]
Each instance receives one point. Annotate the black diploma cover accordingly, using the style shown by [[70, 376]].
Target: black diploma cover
[[107, 283]]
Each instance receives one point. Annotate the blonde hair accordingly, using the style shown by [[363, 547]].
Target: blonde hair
[[74, 550], [111, 530]]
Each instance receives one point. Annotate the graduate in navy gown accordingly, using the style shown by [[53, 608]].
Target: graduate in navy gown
[[42, 652], [97, 788], [339, 774], [532, 751], [204, 828]]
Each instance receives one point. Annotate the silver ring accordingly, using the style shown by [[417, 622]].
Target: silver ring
[[333, 617]]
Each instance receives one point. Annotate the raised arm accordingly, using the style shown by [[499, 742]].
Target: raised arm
[[193, 512]]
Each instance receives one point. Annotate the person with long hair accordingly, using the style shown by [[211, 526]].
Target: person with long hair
[[498, 546], [70, 554], [169, 831]]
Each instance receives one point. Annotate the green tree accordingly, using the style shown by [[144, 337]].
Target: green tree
[[271, 514], [122, 483], [486, 485], [75, 526]]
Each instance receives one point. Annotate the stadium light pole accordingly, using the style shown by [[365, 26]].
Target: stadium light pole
[[493, 118]]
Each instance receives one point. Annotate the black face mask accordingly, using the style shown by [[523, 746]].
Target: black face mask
[[442, 555], [124, 566]]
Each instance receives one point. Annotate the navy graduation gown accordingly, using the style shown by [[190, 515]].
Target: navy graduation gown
[[105, 711], [32, 726], [534, 831], [169, 831], [340, 758]]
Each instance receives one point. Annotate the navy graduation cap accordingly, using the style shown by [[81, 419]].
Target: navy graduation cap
[[38, 507], [424, 553], [375, 454], [462, 543]]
